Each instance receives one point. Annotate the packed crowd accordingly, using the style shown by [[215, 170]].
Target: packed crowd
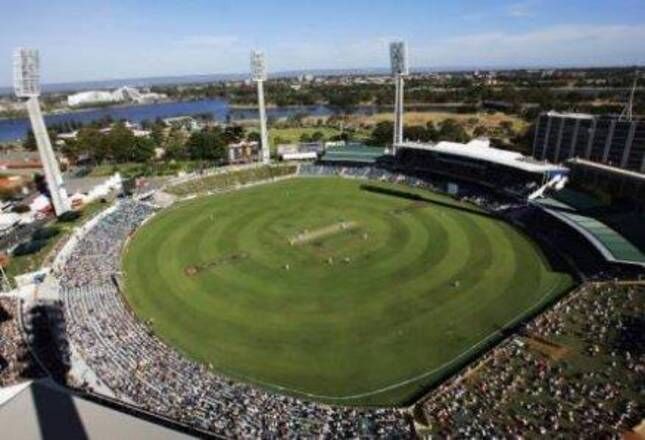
[[96, 258], [418, 179], [139, 368], [225, 180], [16, 362], [578, 370], [365, 172], [515, 390]]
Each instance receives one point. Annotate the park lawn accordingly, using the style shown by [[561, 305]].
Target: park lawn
[[368, 316], [293, 134], [422, 118]]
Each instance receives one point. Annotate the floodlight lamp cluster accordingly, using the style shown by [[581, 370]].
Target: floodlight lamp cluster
[[26, 73], [258, 66], [399, 58]]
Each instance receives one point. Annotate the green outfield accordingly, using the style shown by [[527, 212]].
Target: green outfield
[[342, 291]]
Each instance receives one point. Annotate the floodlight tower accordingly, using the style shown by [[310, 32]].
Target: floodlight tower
[[628, 112], [259, 75], [399, 63], [27, 87]]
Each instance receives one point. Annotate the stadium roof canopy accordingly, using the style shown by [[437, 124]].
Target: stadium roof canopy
[[571, 115], [42, 410], [608, 169], [480, 149], [588, 116], [353, 153], [611, 244]]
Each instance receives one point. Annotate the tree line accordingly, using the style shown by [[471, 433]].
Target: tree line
[[120, 145]]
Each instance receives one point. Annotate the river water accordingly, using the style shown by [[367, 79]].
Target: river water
[[13, 129]]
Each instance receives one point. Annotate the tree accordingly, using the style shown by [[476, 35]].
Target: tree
[[317, 136], [157, 133], [208, 144], [233, 134], [433, 133], [91, 142], [175, 145], [120, 142], [382, 134], [254, 136], [480, 130], [451, 130], [343, 100], [30, 141], [416, 133], [143, 150]]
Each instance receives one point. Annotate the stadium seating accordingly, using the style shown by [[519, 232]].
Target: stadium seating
[[223, 181], [139, 368], [142, 370]]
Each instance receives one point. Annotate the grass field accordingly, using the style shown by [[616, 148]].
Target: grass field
[[370, 314], [292, 135]]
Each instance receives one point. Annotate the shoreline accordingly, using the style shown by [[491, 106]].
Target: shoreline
[[237, 107], [71, 110]]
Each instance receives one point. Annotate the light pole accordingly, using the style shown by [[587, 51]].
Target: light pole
[[399, 64], [27, 87], [259, 75]]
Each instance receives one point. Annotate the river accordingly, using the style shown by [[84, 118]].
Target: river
[[13, 129]]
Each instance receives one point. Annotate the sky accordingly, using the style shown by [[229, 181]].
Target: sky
[[81, 40]]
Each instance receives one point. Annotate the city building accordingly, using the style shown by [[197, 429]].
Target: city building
[[243, 152], [602, 139], [122, 94]]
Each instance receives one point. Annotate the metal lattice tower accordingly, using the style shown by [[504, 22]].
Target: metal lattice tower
[[26, 75], [399, 64], [259, 75]]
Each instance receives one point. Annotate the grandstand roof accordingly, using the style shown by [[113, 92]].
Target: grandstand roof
[[613, 246], [480, 149], [589, 116], [608, 168], [42, 409], [571, 115], [353, 153]]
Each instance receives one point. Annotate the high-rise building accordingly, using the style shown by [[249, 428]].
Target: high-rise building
[[605, 139]]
